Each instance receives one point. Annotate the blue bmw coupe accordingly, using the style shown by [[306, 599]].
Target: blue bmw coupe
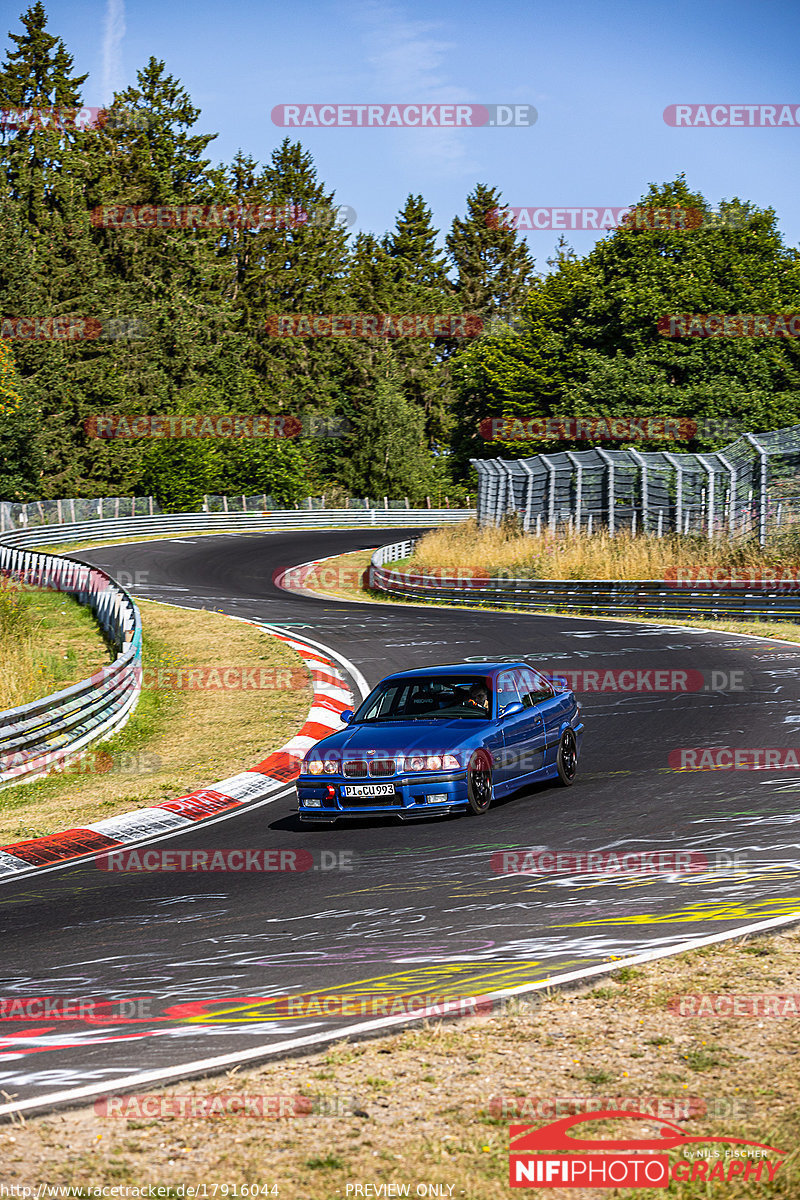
[[443, 739]]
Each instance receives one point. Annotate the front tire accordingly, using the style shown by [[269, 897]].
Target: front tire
[[567, 758], [480, 791]]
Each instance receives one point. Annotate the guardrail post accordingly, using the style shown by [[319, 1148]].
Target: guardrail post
[[710, 472], [732, 507], [578, 489], [636, 456], [526, 520], [762, 499], [610, 472], [678, 469], [551, 491]]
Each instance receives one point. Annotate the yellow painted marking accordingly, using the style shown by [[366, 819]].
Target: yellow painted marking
[[439, 981]]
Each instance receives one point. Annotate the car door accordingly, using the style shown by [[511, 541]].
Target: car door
[[523, 732], [555, 708]]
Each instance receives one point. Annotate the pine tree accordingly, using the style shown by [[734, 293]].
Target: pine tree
[[389, 455], [418, 283], [493, 265]]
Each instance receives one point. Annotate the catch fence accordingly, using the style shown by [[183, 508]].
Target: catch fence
[[744, 490]]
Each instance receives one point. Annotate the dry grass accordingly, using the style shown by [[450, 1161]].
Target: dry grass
[[47, 642], [503, 551], [177, 740], [416, 1104]]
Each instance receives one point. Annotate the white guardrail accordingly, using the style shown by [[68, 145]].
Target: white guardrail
[[197, 522], [38, 737], [596, 597]]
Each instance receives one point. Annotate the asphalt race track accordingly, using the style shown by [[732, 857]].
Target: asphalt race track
[[422, 910]]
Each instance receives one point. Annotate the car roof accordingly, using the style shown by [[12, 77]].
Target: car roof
[[481, 668]]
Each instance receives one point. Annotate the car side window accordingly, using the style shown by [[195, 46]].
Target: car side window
[[507, 691], [535, 687]]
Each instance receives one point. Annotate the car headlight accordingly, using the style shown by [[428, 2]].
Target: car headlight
[[330, 766], [314, 766], [432, 762]]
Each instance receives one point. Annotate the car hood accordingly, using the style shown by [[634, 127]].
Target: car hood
[[393, 739]]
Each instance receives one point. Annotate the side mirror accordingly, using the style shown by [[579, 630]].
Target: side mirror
[[346, 716], [514, 707]]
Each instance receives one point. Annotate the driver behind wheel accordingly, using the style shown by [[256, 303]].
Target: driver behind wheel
[[478, 697]]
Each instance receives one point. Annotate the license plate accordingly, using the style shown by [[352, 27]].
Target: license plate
[[368, 789]]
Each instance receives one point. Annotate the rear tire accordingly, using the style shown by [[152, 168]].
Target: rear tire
[[480, 791], [567, 758]]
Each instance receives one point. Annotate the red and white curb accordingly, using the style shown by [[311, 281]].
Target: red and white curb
[[331, 696]]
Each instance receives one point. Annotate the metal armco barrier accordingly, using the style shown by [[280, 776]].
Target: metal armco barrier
[[634, 597], [37, 737], [146, 526]]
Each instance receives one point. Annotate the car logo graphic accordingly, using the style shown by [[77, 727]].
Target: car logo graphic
[[555, 1135]]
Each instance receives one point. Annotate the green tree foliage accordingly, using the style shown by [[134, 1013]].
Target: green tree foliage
[[180, 314], [20, 456], [587, 342], [389, 454], [494, 267]]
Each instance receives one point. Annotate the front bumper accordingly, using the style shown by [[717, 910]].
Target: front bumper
[[417, 794]]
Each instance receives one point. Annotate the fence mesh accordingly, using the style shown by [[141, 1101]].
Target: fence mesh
[[743, 490]]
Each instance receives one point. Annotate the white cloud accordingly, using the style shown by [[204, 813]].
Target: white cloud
[[113, 33], [409, 58]]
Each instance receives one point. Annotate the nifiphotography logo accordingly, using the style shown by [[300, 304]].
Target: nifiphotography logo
[[631, 1162]]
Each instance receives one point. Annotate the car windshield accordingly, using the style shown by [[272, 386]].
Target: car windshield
[[428, 698]]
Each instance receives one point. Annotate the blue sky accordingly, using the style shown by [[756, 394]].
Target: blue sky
[[599, 75]]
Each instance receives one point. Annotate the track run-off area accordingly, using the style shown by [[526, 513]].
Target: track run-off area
[[208, 960]]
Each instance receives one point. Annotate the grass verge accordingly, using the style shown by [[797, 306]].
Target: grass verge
[[47, 642], [504, 551], [178, 739], [416, 1107]]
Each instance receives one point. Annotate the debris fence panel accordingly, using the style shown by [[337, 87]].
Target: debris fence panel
[[743, 490]]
